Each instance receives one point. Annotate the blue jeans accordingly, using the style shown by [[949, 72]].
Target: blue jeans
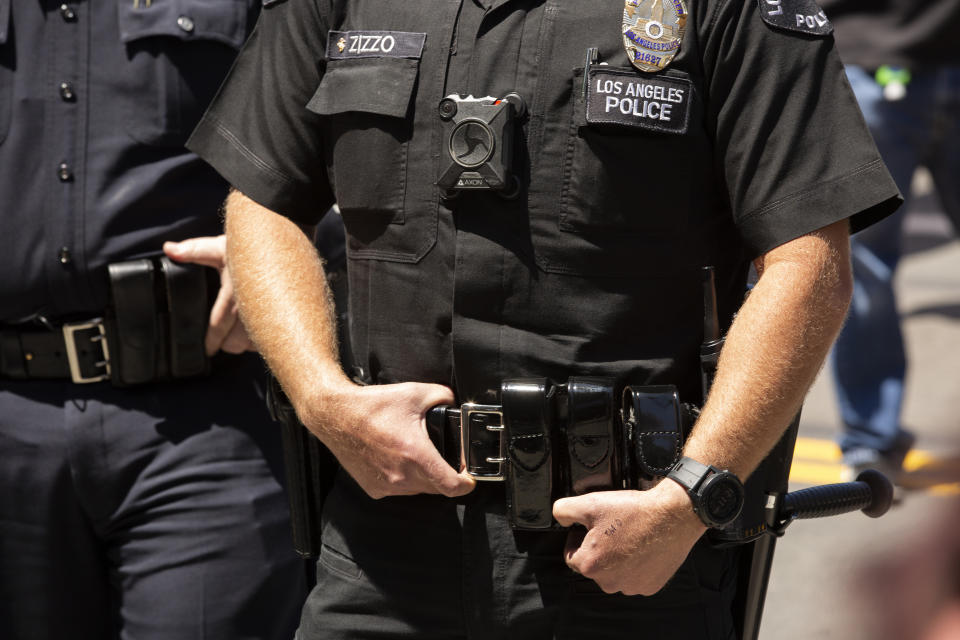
[[869, 362]]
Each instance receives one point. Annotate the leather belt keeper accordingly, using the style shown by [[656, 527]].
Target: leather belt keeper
[[153, 330], [546, 441]]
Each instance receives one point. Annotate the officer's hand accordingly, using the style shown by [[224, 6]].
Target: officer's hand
[[225, 330], [381, 439], [635, 540]]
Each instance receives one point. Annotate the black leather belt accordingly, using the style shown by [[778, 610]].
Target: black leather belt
[[77, 351], [153, 330], [547, 441]]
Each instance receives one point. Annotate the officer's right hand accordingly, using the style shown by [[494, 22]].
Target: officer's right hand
[[379, 435]]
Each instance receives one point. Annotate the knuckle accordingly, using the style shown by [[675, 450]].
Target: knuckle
[[608, 587], [590, 567], [394, 479]]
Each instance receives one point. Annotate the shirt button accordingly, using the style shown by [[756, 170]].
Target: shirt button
[[63, 256], [185, 23], [66, 91], [64, 172], [67, 12]]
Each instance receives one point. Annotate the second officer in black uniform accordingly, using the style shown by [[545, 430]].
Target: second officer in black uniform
[[553, 231]]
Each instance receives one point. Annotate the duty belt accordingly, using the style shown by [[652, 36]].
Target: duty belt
[[153, 329], [547, 441]]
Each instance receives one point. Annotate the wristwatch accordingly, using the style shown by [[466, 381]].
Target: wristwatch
[[717, 495]]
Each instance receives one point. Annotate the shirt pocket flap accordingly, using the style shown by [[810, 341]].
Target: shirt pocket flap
[[222, 21], [381, 86], [4, 19]]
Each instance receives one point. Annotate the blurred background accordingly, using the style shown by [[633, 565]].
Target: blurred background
[[857, 578]]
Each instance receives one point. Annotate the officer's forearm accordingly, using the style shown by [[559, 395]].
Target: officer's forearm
[[284, 300], [774, 350]]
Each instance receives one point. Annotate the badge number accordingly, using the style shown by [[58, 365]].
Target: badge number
[[653, 31]]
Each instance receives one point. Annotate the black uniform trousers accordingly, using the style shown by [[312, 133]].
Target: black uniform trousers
[[433, 568], [147, 513]]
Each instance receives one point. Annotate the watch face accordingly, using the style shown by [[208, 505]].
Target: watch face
[[724, 500]]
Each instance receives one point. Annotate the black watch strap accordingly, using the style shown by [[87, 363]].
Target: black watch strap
[[689, 473], [717, 495]]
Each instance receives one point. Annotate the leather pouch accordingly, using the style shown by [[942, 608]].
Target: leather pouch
[[529, 411], [157, 321], [592, 435], [134, 331], [653, 432], [186, 296]]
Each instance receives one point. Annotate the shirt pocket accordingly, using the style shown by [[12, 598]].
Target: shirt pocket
[[6, 69], [614, 171], [628, 190], [367, 109], [178, 52]]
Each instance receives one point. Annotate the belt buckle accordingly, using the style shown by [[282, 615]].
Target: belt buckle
[[70, 331], [476, 431]]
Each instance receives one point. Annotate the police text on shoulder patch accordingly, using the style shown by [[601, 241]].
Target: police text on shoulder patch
[[803, 16], [374, 44], [656, 103], [653, 31]]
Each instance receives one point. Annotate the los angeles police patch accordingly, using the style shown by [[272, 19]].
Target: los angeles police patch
[[796, 15], [652, 32], [620, 97]]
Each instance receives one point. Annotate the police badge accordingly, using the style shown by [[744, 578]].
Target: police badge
[[652, 32]]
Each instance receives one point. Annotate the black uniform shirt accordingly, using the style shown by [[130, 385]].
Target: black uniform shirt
[[595, 268], [96, 101]]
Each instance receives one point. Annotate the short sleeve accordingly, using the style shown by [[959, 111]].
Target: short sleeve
[[258, 133], [795, 152]]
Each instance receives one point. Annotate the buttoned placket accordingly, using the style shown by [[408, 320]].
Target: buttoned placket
[[65, 138], [495, 51]]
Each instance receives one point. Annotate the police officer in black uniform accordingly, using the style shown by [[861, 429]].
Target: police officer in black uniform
[[139, 498], [645, 140]]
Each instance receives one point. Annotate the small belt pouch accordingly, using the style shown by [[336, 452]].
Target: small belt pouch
[[158, 320], [653, 432], [593, 438], [186, 294], [529, 412], [135, 329]]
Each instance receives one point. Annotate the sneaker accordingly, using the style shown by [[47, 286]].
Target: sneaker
[[889, 463]]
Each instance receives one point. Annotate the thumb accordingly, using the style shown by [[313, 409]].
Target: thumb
[[576, 510], [210, 251]]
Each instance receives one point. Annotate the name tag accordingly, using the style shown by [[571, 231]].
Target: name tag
[[655, 103], [374, 44]]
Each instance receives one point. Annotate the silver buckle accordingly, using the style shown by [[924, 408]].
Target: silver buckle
[[496, 474], [69, 338]]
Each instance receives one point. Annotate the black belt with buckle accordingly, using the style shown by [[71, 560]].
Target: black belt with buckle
[[547, 441], [153, 330]]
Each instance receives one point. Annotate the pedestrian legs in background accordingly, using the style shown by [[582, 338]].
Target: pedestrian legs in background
[[919, 128]]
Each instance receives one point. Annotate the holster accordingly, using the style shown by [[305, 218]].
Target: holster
[[309, 467]]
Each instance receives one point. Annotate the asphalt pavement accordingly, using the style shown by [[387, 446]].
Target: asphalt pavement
[[824, 583]]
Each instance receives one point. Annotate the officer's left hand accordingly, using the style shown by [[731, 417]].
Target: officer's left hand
[[225, 330], [635, 540]]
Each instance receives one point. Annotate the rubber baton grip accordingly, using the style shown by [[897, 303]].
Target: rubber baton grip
[[871, 493]]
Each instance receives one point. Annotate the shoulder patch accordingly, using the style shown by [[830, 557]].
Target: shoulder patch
[[803, 16]]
